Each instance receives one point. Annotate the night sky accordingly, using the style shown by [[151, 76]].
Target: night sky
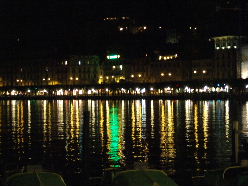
[[60, 25]]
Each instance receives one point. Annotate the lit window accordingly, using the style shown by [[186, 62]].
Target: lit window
[[48, 79], [79, 62], [169, 74], [43, 79], [65, 62], [160, 57], [121, 67]]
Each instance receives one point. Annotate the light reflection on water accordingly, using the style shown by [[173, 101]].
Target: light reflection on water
[[169, 134]]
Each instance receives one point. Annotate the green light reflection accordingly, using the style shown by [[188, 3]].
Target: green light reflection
[[114, 150]]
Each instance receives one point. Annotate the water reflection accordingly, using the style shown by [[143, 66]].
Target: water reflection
[[169, 134]]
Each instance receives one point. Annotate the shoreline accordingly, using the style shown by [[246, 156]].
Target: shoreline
[[131, 97]]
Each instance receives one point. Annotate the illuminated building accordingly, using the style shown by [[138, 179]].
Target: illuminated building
[[244, 62], [226, 63]]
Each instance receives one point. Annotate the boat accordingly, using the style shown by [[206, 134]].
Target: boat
[[144, 177], [35, 179]]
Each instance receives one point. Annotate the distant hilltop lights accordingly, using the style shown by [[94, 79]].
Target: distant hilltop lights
[[116, 18], [167, 57]]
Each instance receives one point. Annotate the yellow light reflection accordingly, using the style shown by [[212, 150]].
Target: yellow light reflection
[[205, 126]]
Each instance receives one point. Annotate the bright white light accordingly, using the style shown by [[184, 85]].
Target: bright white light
[[17, 80], [145, 27], [13, 92], [89, 92], [246, 86], [132, 76], [121, 28], [160, 57], [169, 74], [217, 48], [48, 79], [106, 89], [113, 67], [76, 78], [60, 92], [151, 89], [79, 62], [228, 47], [71, 78], [143, 90], [65, 62], [44, 90], [235, 46], [28, 91], [204, 71], [139, 75], [43, 79], [121, 67], [205, 88], [223, 48], [162, 74], [195, 71], [100, 77]]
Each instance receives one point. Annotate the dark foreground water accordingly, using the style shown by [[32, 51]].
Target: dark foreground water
[[174, 135]]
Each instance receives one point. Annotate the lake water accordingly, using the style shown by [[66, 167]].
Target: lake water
[[174, 135]]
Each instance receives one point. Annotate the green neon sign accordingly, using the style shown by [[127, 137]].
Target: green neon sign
[[113, 56]]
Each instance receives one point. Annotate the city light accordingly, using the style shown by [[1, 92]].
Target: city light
[[76, 78], [169, 74], [204, 71], [162, 74], [139, 75], [132, 76], [195, 71]]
